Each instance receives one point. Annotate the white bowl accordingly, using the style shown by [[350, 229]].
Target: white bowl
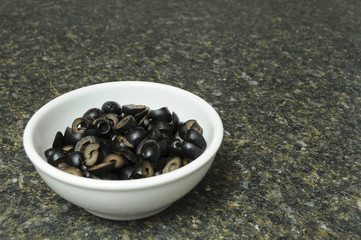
[[122, 199]]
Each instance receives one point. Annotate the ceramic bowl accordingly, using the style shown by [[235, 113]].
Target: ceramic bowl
[[122, 199]]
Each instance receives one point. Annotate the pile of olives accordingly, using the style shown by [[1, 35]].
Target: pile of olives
[[132, 141]]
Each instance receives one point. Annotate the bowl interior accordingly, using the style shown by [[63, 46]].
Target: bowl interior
[[60, 113]]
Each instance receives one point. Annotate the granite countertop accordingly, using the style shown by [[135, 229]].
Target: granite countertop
[[284, 76]]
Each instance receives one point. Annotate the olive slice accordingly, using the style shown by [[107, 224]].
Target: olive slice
[[50, 151], [83, 142], [174, 122], [175, 147], [126, 172], [58, 140], [119, 161], [133, 109], [150, 151], [111, 107], [80, 125], [102, 125], [91, 154], [92, 113], [75, 158], [53, 156], [68, 148], [124, 125], [172, 165], [136, 135], [190, 150], [121, 142], [141, 114], [162, 114], [190, 124], [111, 117], [73, 170], [143, 169], [162, 126], [196, 138], [101, 168]]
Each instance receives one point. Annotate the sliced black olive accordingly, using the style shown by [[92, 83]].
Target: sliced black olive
[[190, 124], [163, 127], [162, 114], [58, 140], [50, 151], [121, 142], [68, 148], [110, 176], [172, 165], [102, 125], [175, 147], [80, 125], [130, 156], [164, 143], [150, 151], [143, 169], [91, 154], [196, 138], [144, 122], [190, 150], [111, 117], [126, 172], [124, 125], [133, 109], [101, 168], [119, 161], [159, 165], [141, 114], [136, 135], [53, 156], [186, 161], [111, 107], [175, 122], [75, 158], [73, 170], [93, 113], [156, 135], [83, 142]]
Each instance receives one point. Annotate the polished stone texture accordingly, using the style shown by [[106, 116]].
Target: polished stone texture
[[285, 77]]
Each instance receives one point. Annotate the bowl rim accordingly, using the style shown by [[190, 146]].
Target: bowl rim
[[40, 163]]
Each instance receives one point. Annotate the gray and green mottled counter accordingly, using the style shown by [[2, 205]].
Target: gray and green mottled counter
[[284, 76]]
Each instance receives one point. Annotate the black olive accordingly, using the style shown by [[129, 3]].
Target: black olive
[[141, 114], [101, 168], [83, 142], [111, 117], [164, 147], [126, 172], [160, 163], [53, 156], [110, 176], [102, 125], [50, 151], [130, 156], [75, 158], [73, 170], [190, 124], [175, 122], [156, 135], [190, 150], [163, 127], [80, 125], [172, 164], [119, 161], [136, 135], [162, 114], [68, 148], [58, 140], [91, 154], [133, 109], [175, 147], [93, 113], [144, 122], [124, 125], [111, 107], [121, 142], [143, 169], [150, 151], [196, 138]]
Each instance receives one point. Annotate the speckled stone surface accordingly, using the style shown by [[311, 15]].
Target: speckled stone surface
[[284, 76]]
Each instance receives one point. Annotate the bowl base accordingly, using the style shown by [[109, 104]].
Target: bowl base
[[126, 217]]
